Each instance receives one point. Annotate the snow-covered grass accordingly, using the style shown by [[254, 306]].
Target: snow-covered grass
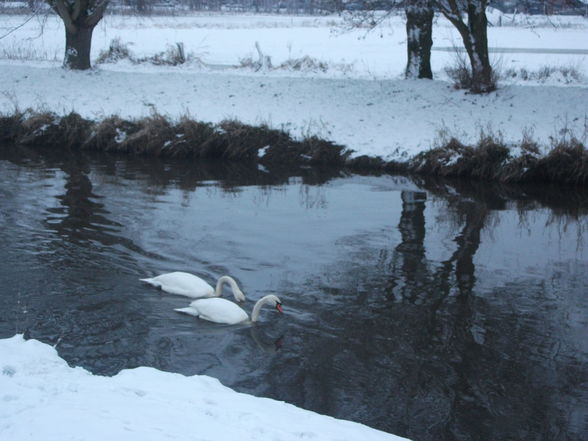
[[24, 52], [44, 399], [546, 74], [344, 86]]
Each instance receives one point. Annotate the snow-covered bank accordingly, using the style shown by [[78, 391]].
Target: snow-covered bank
[[395, 119], [43, 398]]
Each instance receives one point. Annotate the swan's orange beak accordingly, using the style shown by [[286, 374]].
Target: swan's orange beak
[[279, 308]]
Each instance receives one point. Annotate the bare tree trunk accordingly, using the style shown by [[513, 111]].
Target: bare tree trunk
[[77, 48], [79, 18], [475, 40], [482, 76], [419, 38]]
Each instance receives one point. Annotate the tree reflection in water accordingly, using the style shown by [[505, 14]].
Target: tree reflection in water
[[413, 349]]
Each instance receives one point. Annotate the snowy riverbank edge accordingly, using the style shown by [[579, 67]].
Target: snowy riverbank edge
[[44, 398], [392, 119], [489, 159]]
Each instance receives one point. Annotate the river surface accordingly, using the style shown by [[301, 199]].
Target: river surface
[[433, 310]]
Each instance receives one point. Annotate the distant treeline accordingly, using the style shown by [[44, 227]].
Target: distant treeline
[[312, 7]]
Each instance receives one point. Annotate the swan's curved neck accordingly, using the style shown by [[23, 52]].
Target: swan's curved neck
[[226, 279], [257, 307]]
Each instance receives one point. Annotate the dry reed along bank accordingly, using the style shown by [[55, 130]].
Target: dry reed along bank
[[490, 159]]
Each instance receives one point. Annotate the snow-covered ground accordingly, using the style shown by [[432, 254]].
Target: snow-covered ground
[[42, 398], [359, 101]]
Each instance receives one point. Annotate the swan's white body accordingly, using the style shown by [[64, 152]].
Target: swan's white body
[[223, 311], [189, 285]]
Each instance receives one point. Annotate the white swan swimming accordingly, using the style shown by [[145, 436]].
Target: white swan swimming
[[189, 285], [223, 311]]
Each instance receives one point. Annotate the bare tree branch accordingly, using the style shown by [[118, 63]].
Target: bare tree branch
[[35, 12], [77, 9], [96, 13], [64, 13]]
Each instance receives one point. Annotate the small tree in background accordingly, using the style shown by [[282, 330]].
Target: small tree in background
[[79, 17]]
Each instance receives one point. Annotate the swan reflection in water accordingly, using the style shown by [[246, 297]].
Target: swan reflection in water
[[265, 343]]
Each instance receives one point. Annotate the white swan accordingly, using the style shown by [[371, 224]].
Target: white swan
[[223, 311], [189, 285]]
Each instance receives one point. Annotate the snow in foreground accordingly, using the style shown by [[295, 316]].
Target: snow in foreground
[[43, 398]]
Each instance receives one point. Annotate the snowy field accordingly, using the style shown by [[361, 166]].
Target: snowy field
[[44, 399], [351, 92], [359, 53]]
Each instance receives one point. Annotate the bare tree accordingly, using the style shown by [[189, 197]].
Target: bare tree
[[79, 17], [419, 29], [469, 17], [419, 38]]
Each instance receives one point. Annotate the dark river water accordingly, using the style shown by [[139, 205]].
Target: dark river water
[[432, 310]]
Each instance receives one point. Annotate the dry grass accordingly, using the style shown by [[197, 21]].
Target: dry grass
[[10, 126], [489, 159], [108, 134], [157, 135], [174, 55], [153, 135], [117, 50], [460, 72], [25, 51], [319, 151], [236, 140], [567, 74], [567, 162], [301, 64], [190, 133], [304, 64], [517, 168], [50, 130]]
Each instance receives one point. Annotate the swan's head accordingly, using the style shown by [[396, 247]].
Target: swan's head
[[272, 299], [267, 300], [239, 295]]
